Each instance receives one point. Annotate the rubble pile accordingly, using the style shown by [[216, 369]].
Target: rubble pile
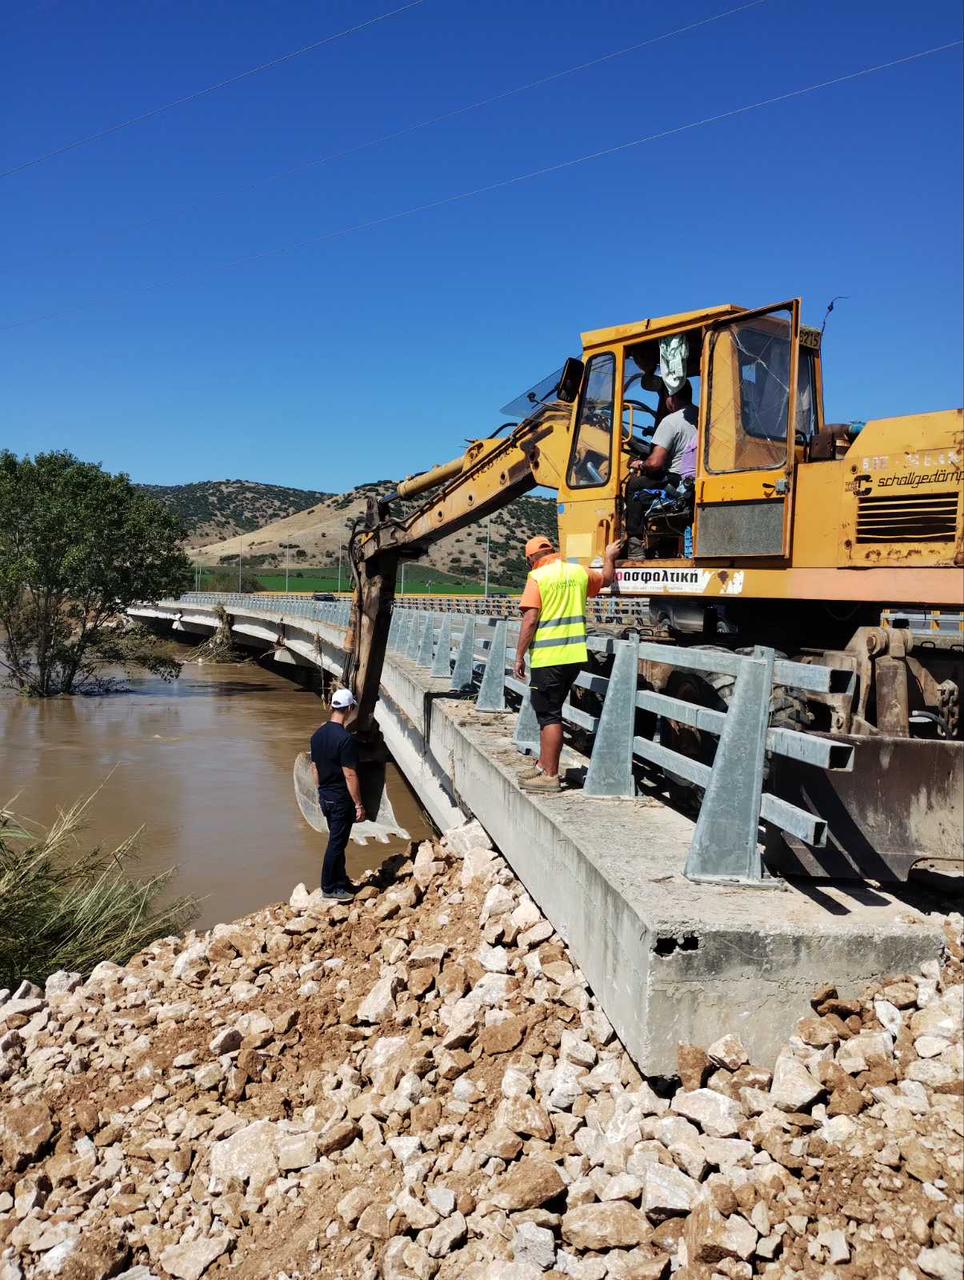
[[420, 1084]]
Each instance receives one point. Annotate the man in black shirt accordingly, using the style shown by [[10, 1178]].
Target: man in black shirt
[[334, 758]]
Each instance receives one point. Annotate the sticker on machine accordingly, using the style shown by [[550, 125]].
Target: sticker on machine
[[668, 581]]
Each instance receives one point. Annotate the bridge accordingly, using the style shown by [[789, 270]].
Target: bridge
[[681, 927]]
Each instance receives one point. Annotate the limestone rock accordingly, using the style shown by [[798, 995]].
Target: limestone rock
[[250, 1155], [353, 1203], [190, 1261], [379, 1004], [502, 1037], [711, 1237], [615, 1225], [667, 1191], [716, 1114], [25, 1129], [793, 1087], [226, 1041], [524, 1116], [534, 1245], [374, 1221], [60, 984], [527, 1185], [943, 1262], [728, 1052], [693, 1065], [296, 1150], [472, 835], [447, 1236], [500, 1142]]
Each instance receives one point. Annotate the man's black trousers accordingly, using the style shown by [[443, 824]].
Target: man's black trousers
[[339, 810]]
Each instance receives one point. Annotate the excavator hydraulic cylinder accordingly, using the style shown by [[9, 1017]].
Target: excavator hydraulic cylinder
[[430, 479]]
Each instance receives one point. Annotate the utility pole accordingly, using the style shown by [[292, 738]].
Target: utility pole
[[287, 558], [341, 547], [402, 587], [240, 558], [488, 542]]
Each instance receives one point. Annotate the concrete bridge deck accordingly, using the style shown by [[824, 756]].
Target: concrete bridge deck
[[669, 960]]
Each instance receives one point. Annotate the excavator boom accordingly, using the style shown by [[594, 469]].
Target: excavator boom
[[488, 476]]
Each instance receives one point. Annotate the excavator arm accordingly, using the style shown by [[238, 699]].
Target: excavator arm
[[488, 476]]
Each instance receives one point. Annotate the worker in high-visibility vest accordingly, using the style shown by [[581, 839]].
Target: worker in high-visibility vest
[[553, 633]]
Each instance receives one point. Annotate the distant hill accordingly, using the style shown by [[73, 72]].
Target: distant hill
[[216, 509], [312, 537]]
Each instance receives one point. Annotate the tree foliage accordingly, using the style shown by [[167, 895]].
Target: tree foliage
[[77, 547]]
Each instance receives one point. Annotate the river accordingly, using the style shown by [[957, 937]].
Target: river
[[203, 764]]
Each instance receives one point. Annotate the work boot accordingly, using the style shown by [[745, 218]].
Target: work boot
[[531, 771], [541, 784]]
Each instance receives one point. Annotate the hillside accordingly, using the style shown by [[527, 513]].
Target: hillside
[[312, 537], [214, 509]]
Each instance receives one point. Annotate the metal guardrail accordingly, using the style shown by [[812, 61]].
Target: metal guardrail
[[600, 609], [471, 652]]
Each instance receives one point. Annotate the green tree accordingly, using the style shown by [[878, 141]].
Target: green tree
[[77, 547]]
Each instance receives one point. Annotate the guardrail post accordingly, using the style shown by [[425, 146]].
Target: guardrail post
[[610, 771], [427, 641], [465, 662], [442, 663], [404, 632], [413, 637], [492, 689], [392, 642], [725, 842], [526, 736]]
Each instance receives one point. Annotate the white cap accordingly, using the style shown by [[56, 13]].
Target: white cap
[[342, 699]]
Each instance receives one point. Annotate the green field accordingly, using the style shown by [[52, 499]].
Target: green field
[[420, 578]]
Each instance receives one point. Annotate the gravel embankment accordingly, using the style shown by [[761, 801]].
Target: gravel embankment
[[422, 1085]]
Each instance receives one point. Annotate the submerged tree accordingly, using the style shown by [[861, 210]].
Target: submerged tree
[[77, 547]]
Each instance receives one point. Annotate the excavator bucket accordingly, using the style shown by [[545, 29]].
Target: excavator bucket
[[381, 825], [901, 807]]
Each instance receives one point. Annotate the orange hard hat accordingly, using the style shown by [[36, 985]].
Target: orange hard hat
[[538, 546]]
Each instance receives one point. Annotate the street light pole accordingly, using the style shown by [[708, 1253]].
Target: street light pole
[[488, 541]]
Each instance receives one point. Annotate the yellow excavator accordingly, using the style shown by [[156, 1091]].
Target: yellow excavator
[[840, 544]]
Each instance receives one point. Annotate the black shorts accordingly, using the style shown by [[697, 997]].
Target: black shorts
[[550, 688]]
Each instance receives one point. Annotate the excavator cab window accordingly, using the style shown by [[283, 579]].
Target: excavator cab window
[[590, 461], [806, 398], [749, 394]]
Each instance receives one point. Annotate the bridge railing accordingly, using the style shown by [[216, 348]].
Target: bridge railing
[[625, 725]]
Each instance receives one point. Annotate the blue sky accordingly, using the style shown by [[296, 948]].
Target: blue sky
[[169, 306]]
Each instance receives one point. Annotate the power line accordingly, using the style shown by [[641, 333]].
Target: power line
[[328, 158], [546, 169], [211, 88], [595, 155]]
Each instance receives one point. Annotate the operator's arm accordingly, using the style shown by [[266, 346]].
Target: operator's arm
[[527, 631], [657, 460]]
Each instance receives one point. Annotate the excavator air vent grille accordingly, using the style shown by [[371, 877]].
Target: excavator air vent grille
[[917, 517]]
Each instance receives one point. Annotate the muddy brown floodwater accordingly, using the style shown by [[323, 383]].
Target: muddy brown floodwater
[[203, 765]]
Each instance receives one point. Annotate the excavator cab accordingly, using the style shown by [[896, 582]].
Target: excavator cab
[[740, 367]]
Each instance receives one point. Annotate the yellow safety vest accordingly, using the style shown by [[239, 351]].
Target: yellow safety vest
[[561, 635]]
